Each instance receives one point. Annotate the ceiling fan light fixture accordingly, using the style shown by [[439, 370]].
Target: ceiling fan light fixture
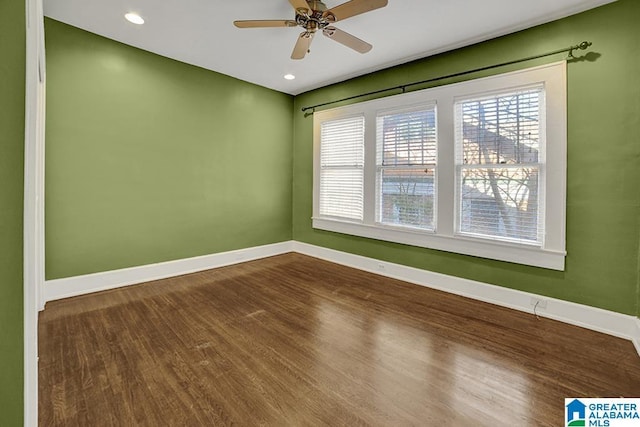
[[314, 16], [134, 18], [289, 76]]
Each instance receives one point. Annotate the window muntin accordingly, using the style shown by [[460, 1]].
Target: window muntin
[[498, 142]]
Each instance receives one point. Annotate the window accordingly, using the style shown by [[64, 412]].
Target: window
[[341, 167], [406, 166], [498, 169], [476, 167]]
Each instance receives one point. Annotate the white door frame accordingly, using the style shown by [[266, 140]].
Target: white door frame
[[33, 256]]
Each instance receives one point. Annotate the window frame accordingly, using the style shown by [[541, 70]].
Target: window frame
[[550, 254]]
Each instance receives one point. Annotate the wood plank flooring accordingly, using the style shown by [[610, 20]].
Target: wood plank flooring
[[295, 341]]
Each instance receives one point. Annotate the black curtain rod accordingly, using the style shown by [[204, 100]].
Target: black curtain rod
[[582, 46]]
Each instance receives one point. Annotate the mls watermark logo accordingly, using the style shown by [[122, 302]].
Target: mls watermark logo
[[602, 412]]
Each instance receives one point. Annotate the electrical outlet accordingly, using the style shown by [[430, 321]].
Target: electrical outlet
[[540, 304]]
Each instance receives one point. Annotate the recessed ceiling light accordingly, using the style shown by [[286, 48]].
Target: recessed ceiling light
[[134, 18], [289, 76]]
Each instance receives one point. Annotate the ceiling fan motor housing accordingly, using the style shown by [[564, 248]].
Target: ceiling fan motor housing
[[315, 18]]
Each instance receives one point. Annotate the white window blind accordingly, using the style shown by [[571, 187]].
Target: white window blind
[[406, 167], [341, 168], [499, 166]]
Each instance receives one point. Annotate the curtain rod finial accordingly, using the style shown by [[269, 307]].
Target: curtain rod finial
[[585, 44]]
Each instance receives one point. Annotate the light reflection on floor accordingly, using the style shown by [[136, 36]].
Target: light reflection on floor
[[402, 363]]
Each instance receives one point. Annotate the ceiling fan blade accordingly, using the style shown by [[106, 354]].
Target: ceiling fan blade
[[353, 8], [302, 45], [265, 23], [300, 5], [347, 39]]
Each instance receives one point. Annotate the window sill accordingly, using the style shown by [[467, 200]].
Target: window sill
[[501, 251]]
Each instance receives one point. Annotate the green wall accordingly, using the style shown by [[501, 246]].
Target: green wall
[[12, 92], [149, 159], [603, 152]]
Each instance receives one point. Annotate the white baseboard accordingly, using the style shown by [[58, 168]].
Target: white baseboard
[[636, 337], [608, 322], [79, 285]]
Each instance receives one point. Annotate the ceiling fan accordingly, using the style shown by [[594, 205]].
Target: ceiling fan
[[313, 15]]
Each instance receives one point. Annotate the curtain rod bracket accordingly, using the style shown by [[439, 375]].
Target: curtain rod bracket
[[310, 113], [582, 46]]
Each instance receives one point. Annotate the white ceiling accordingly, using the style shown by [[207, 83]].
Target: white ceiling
[[201, 32]]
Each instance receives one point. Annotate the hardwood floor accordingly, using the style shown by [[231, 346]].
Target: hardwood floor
[[292, 340]]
